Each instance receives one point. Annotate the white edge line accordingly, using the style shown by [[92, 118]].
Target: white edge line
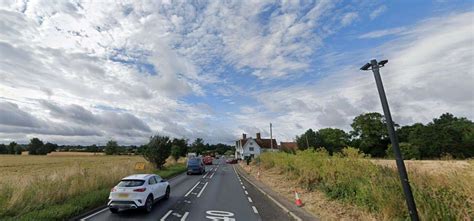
[[247, 193], [166, 215], [254, 209], [191, 189], [94, 214], [202, 190], [184, 216], [212, 175], [204, 175], [250, 199], [272, 199]]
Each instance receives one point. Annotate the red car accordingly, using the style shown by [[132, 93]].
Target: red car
[[231, 161], [207, 160]]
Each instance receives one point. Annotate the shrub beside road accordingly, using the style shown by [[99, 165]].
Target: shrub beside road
[[56, 188], [351, 178]]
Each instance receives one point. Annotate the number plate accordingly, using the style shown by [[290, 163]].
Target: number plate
[[123, 195]]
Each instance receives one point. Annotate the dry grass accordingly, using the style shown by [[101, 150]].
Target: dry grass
[[315, 202], [443, 190], [33, 182]]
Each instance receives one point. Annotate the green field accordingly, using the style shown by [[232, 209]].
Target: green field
[[55, 188]]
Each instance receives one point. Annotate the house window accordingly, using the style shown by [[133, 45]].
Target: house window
[[250, 148]]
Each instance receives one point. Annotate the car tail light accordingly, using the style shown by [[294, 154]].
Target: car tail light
[[139, 190], [113, 190]]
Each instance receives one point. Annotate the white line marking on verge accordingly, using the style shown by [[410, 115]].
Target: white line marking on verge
[[191, 189], [202, 190], [254, 209], [184, 216], [212, 175], [246, 193], [250, 199], [166, 215], [94, 214]]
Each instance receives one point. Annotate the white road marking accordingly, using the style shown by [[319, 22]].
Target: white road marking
[[250, 199], [204, 175], [184, 216], [166, 215], [254, 209], [243, 187], [247, 193], [212, 175], [202, 190], [192, 189], [94, 214]]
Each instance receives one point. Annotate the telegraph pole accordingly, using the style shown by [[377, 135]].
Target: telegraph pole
[[271, 137], [375, 66]]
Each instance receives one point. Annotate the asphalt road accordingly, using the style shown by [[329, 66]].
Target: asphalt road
[[218, 195]]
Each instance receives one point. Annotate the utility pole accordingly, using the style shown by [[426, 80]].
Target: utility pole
[[375, 66], [271, 137]]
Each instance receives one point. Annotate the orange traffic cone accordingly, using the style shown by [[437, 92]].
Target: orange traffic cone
[[298, 201]]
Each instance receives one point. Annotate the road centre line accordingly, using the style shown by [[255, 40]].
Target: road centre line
[[254, 209], [212, 175], [184, 216], [250, 199], [166, 215], [191, 189], [202, 190]]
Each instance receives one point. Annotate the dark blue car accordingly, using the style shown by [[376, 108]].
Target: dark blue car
[[195, 166]]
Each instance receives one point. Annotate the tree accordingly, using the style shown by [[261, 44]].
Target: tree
[[182, 146], [35, 146], [11, 147], [175, 152], [92, 148], [333, 139], [198, 146], [48, 148], [371, 131], [409, 151], [158, 150], [18, 149], [3, 149], [111, 148], [310, 139]]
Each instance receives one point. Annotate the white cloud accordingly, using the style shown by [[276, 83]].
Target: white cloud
[[378, 11], [348, 18], [384, 32]]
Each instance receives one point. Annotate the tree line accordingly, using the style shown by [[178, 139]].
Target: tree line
[[445, 136]]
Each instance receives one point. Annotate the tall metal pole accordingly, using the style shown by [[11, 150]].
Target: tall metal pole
[[396, 149], [271, 137]]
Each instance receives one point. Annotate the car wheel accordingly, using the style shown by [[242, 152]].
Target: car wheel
[[167, 193], [113, 210], [149, 204], [187, 173]]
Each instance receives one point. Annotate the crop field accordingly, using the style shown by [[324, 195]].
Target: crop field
[[359, 188], [57, 187]]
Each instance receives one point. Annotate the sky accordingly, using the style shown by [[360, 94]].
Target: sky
[[85, 72]]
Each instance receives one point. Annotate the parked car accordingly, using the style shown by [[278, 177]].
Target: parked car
[[231, 161], [208, 160], [195, 165], [139, 191]]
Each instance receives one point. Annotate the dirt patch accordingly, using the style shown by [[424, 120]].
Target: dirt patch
[[315, 202]]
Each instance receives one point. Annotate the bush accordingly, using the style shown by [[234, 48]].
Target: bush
[[352, 178], [409, 151]]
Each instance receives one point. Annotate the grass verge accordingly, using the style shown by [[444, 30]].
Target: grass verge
[[351, 178]]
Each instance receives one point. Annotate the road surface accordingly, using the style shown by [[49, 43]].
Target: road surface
[[220, 194]]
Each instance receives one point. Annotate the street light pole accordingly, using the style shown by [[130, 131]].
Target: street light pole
[[375, 66]]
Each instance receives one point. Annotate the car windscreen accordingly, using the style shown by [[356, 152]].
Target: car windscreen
[[131, 183], [194, 161]]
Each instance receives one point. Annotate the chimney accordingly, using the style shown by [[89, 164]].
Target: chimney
[[258, 136], [244, 136]]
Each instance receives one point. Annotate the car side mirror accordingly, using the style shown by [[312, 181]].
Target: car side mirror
[[163, 180]]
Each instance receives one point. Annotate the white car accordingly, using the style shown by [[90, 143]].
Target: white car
[[138, 191]]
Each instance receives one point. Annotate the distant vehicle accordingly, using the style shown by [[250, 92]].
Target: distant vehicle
[[139, 191], [192, 155], [195, 165], [207, 160], [231, 161]]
